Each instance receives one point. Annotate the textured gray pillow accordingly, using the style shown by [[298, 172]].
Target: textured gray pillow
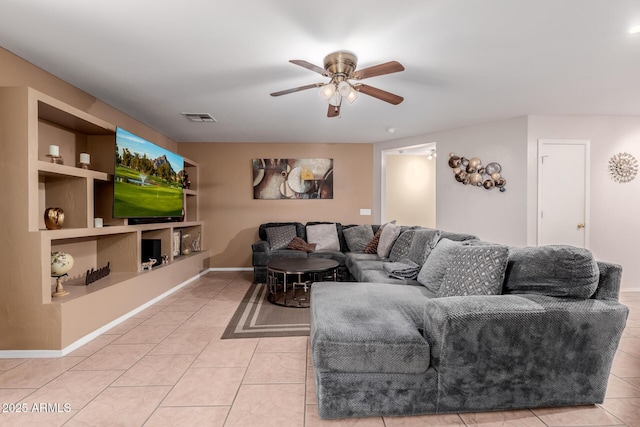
[[475, 270], [389, 234], [280, 237], [357, 237], [432, 273], [400, 248], [554, 270], [325, 236], [424, 240]]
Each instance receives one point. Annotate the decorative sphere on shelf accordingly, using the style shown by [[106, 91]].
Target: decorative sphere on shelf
[[61, 263], [488, 184], [464, 161], [495, 176], [501, 182]]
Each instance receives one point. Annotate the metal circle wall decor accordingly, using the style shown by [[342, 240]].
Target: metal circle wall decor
[[472, 172], [623, 167]]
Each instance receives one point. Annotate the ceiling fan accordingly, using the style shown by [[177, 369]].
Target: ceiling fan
[[340, 67]]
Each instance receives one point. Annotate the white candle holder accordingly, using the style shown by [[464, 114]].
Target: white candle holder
[[84, 161]]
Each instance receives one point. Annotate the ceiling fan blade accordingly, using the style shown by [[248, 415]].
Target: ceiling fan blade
[[378, 70], [334, 111], [379, 93], [297, 89], [310, 66]]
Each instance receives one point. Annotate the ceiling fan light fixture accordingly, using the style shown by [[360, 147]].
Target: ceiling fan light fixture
[[336, 99], [352, 96], [344, 88], [327, 91]]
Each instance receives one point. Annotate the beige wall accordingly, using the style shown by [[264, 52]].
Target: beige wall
[[15, 71], [410, 189], [232, 216]]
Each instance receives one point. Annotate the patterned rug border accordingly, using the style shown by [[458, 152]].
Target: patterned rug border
[[243, 322]]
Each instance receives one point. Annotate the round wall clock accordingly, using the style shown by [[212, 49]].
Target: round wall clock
[[623, 167]]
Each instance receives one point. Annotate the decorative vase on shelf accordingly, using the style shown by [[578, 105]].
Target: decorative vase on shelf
[[61, 263], [53, 218]]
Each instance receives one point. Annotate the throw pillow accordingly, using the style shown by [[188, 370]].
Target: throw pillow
[[279, 237], [554, 270], [475, 270], [357, 237], [424, 240], [432, 273], [325, 236], [298, 244], [400, 249], [372, 246], [389, 234]]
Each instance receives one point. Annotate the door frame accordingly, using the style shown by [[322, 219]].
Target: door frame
[[587, 185]]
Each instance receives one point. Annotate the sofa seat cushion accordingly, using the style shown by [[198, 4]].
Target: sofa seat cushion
[[334, 255], [358, 263], [381, 276], [554, 270], [286, 253], [368, 327]]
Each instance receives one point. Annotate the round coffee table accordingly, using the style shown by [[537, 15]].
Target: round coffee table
[[306, 270]]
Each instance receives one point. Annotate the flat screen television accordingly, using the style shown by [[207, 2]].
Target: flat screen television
[[148, 180]]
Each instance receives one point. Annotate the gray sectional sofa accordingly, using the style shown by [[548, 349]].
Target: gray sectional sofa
[[482, 327], [354, 265]]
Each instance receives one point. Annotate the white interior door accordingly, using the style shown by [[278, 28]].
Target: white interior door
[[563, 192]]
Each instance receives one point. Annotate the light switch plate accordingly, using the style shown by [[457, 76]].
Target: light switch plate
[[365, 211]]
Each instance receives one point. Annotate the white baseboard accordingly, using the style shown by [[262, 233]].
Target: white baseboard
[[623, 290], [231, 269], [32, 354]]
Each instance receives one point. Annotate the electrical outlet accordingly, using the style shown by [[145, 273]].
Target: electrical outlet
[[365, 211]]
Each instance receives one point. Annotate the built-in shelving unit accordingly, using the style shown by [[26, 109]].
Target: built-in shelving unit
[[33, 121]]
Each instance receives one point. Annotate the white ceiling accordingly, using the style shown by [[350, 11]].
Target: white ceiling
[[467, 61]]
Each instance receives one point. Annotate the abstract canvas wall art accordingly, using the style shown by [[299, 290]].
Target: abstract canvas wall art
[[292, 179]]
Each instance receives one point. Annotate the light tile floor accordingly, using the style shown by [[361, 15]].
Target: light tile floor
[[168, 367]]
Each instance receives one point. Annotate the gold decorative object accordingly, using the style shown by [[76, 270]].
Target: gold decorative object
[[623, 167], [53, 218]]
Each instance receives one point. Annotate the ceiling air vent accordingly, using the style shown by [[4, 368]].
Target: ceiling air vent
[[199, 117]]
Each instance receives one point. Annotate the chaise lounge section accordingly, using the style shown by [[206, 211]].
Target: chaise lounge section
[[547, 338]]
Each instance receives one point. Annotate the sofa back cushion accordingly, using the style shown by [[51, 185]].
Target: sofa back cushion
[[424, 240], [475, 270], [280, 237], [324, 235], [435, 267], [400, 249], [357, 236], [554, 270], [389, 234], [262, 229]]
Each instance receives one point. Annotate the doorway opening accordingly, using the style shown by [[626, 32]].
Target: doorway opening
[[408, 179]]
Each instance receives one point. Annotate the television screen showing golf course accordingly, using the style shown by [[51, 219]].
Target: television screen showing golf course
[[148, 179]]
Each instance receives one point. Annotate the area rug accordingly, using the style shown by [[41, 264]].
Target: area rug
[[258, 318]]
